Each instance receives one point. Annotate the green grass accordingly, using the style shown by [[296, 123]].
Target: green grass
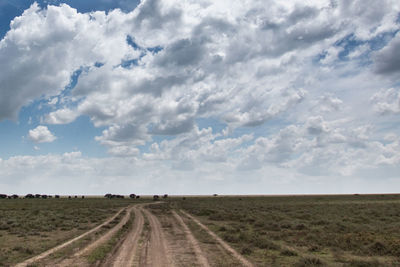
[[31, 226], [351, 230]]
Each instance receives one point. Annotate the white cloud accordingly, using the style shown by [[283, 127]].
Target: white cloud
[[61, 116], [41, 134], [240, 65], [289, 81], [386, 101]]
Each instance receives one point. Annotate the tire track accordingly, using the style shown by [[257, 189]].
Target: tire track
[[201, 258], [127, 251], [157, 255], [225, 245], [52, 250], [76, 259]]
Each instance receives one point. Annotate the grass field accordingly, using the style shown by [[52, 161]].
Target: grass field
[[30, 226], [351, 230], [348, 230]]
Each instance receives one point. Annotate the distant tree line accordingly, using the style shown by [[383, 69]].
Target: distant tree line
[[42, 196]]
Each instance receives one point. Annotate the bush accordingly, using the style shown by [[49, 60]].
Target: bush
[[264, 243], [378, 248], [309, 261], [361, 263], [288, 252], [246, 250]]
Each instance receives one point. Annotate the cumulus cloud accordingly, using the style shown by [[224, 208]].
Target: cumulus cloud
[[164, 64], [61, 116], [41, 134], [288, 83]]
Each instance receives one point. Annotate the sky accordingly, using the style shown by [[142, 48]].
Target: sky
[[200, 97]]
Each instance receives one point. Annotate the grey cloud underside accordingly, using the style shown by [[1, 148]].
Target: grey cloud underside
[[245, 66], [388, 59]]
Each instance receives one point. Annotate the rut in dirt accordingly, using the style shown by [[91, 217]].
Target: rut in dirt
[[157, 253], [223, 244], [201, 258], [126, 253]]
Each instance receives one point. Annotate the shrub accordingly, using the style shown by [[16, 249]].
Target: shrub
[[309, 261], [378, 248], [288, 252], [264, 243], [246, 250], [361, 263]]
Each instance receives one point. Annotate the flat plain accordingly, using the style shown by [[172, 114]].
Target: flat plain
[[337, 230], [329, 230], [31, 226]]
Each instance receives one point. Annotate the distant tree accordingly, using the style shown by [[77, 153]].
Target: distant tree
[[38, 195], [108, 195], [165, 195], [132, 196], [215, 195], [29, 196], [155, 197], [44, 196], [137, 197], [3, 196], [69, 197], [184, 198], [83, 196], [76, 196], [57, 196]]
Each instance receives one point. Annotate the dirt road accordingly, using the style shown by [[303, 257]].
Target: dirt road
[[69, 242], [157, 237], [201, 258], [221, 242], [158, 254], [126, 253]]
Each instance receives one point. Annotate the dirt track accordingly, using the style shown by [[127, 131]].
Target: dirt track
[[201, 258], [55, 249], [157, 237], [127, 251], [225, 245]]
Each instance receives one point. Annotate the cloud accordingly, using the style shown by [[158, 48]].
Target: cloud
[[386, 101], [36, 44], [61, 116], [41, 134], [387, 60], [289, 84]]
